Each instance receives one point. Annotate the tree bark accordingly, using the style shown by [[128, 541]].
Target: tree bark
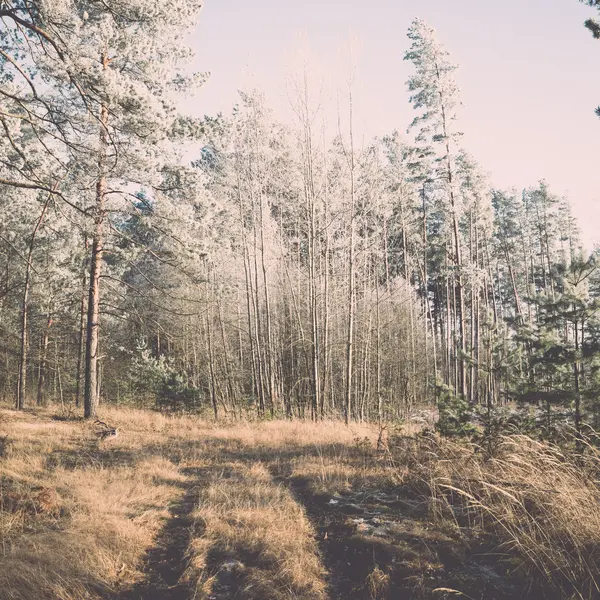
[[90, 397], [22, 375], [81, 334], [44, 359], [350, 293]]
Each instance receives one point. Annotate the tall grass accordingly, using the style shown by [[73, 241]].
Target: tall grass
[[78, 515], [540, 502]]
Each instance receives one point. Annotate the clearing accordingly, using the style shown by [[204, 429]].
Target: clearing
[[178, 508]]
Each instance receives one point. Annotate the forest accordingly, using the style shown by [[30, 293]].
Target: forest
[[286, 269], [279, 279]]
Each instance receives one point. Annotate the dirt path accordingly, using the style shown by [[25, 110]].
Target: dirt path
[[355, 545], [383, 545], [374, 545], [166, 562]]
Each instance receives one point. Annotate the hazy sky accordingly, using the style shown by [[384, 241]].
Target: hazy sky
[[529, 75]]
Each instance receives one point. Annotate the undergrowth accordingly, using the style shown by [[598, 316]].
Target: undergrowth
[[293, 509]]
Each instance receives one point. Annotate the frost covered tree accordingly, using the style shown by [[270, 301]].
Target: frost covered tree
[[290, 270], [102, 116], [435, 94], [131, 57]]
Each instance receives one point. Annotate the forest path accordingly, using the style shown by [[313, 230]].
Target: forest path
[[373, 542], [354, 543], [166, 562], [261, 517], [383, 545], [181, 509]]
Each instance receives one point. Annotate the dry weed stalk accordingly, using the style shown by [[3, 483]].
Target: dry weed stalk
[[541, 501]]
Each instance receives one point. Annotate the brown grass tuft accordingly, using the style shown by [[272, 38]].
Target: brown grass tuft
[[538, 501], [286, 510], [256, 537]]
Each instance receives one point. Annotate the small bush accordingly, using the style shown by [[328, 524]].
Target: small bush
[[455, 415], [175, 393], [158, 378]]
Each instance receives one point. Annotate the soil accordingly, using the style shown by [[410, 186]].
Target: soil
[[165, 564], [379, 546]]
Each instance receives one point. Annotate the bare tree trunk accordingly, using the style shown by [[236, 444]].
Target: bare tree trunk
[[378, 356], [449, 353], [260, 352], [428, 314], [58, 375], [90, 396], [22, 376], [350, 293], [511, 272], [477, 325], [460, 301], [326, 352], [255, 387], [577, 373], [231, 382], [211, 360], [314, 316], [365, 391], [268, 321], [43, 358], [474, 291], [325, 271], [81, 334]]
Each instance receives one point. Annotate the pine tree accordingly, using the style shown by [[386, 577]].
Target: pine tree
[[593, 26], [436, 95]]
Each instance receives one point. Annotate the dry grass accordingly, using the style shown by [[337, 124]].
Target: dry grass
[[256, 538], [77, 513], [287, 510], [257, 541], [540, 503]]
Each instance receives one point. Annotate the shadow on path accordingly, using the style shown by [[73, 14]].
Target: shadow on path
[[166, 562], [383, 546], [348, 558]]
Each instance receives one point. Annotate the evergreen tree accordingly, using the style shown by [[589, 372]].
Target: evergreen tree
[[593, 26]]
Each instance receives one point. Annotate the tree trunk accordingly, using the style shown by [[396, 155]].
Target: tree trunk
[[211, 364], [576, 373], [90, 396], [350, 293], [44, 359], [81, 335], [22, 375]]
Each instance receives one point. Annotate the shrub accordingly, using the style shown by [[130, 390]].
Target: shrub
[[158, 378], [455, 415]]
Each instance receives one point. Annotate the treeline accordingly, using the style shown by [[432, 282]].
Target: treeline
[[287, 271]]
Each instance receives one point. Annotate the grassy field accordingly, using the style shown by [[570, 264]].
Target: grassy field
[[177, 508]]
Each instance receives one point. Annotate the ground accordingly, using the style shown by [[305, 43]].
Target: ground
[[178, 508]]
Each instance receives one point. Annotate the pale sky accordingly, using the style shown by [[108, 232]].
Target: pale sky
[[529, 75]]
